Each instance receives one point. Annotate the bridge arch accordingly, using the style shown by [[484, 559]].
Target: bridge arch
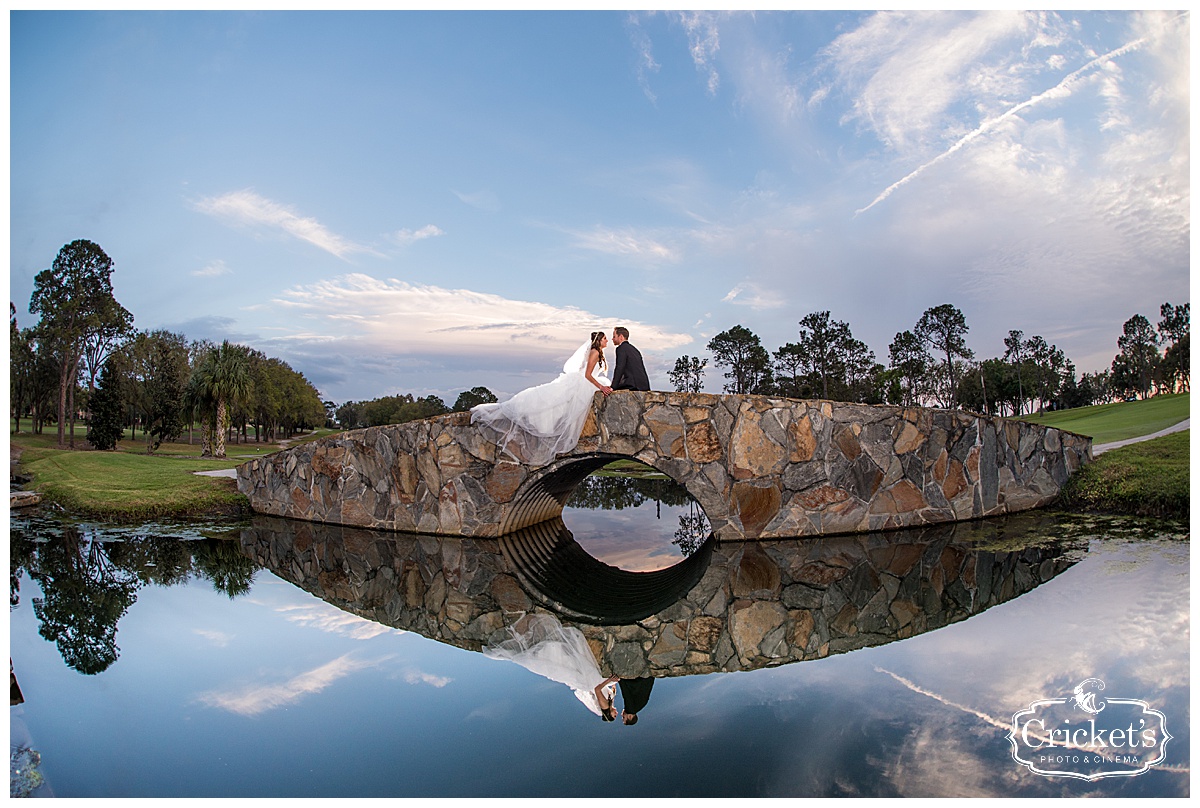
[[760, 467]]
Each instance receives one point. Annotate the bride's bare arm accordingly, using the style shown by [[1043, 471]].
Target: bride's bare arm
[[593, 358]]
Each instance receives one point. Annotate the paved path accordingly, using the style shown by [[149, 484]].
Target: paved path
[[1186, 423]]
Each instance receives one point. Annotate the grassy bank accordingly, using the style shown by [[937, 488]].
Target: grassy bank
[[1106, 423], [129, 484], [123, 485], [1144, 479]]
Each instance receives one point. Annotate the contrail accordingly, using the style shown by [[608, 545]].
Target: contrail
[[1006, 725], [1057, 91]]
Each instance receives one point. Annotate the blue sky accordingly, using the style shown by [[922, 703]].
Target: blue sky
[[425, 202]]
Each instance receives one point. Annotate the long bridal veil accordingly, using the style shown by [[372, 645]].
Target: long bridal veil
[[543, 421], [541, 644]]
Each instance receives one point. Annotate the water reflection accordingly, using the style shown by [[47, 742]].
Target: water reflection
[[88, 580], [732, 606], [668, 523]]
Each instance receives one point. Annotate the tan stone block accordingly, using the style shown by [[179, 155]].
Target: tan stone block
[[802, 629], [703, 446], [704, 632], [972, 464], [755, 506], [816, 498], [509, 595], [955, 481], [804, 443], [909, 439], [750, 623], [847, 443], [504, 480], [757, 574], [752, 451]]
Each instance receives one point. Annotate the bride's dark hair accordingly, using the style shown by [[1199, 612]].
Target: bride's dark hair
[[596, 337]]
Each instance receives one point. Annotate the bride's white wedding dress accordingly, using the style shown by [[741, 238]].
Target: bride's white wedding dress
[[541, 644], [543, 421]]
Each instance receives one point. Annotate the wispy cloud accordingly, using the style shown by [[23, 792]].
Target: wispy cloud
[[626, 243], [217, 638], [1058, 91], [645, 55], [213, 270], [703, 43], [750, 294], [256, 699], [440, 321], [483, 200], [405, 236], [414, 677], [247, 208]]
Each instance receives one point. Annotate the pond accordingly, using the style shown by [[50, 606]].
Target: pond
[[273, 658]]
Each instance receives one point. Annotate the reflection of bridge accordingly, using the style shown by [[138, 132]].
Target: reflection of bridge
[[760, 467], [731, 606]]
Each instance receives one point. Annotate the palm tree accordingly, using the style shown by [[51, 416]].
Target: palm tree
[[220, 381]]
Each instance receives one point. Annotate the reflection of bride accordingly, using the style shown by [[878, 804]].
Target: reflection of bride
[[541, 644], [540, 422]]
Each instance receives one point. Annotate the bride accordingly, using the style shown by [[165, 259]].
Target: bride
[[541, 644], [543, 421]]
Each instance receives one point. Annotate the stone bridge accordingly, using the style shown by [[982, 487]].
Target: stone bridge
[[761, 468]]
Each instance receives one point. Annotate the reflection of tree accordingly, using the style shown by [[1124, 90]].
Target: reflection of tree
[[89, 583], [223, 563], [608, 493], [693, 529], [84, 595]]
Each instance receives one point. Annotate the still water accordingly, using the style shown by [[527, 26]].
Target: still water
[[277, 658]]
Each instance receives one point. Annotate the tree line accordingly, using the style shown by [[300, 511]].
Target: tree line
[[84, 359], [931, 364]]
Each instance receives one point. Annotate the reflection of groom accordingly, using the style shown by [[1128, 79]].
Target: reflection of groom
[[630, 373]]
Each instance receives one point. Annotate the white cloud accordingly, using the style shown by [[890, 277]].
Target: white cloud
[[626, 243], [406, 236], [750, 294], [483, 200], [247, 208], [395, 317], [703, 43], [213, 270], [218, 638]]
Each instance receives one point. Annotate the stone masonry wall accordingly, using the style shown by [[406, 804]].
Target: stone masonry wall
[[760, 467]]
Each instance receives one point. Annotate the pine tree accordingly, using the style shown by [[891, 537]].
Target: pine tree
[[108, 411]]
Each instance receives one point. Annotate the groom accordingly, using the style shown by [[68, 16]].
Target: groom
[[630, 373]]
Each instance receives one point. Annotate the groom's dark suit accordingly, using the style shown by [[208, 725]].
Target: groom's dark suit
[[630, 373]]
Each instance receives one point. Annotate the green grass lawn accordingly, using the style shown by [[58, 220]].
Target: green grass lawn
[[1151, 478], [124, 485], [1106, 423], [129, 483]]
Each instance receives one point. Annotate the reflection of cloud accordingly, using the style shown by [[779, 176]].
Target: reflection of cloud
[[248, 208], [406, 236], [420, 678], [333, 620], [255, 699], [218, 638]]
